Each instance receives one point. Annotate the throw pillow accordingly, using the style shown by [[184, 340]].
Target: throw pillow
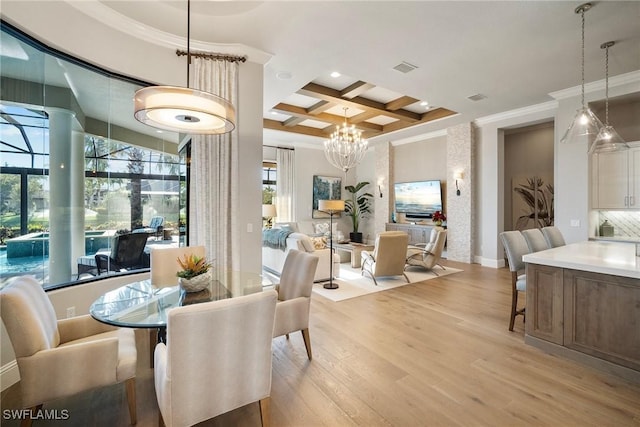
[[304, 241], [319, 242], [321, 227]]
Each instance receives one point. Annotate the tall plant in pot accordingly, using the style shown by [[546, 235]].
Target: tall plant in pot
[[358, 207]]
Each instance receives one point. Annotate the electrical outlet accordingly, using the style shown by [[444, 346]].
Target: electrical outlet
[[575, 223], [249, 227], [71, 312]]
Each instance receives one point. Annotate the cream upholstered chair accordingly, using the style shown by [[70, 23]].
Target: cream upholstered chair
[[515, 246], [388, 257], [164, 263], [535, 240], [294, 296], [217, 358], [554, 236], [428, 256], [59, 358]]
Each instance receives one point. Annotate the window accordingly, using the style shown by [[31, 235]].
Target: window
[[130, 173]]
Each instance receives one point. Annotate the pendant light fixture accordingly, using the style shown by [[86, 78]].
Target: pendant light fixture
[[608, 139], [346, 147], [181, 109], [584, 123]]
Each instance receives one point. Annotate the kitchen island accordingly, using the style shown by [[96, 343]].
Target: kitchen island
[[583, 302]]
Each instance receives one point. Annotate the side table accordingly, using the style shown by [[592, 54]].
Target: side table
[[355, 249]]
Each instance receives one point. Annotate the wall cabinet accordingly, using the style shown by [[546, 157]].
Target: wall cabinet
[[616, 180], [417, 233]]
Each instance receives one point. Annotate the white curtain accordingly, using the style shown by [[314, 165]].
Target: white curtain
[[214, 173], [285, 185]]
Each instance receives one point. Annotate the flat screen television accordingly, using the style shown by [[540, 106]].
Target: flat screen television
[[418, 199]]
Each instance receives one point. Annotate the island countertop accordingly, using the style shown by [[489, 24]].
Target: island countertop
[[614, 258]]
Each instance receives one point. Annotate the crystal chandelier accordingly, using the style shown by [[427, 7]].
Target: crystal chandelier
[[584, 123], [181, 109], [608, 139], [346, 147]]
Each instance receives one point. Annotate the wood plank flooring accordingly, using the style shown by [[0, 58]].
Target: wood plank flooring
[[436, 353]]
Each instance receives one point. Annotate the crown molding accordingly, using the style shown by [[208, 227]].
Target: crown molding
[[546, 107], [422, 137], [619, 80], [131, 27]]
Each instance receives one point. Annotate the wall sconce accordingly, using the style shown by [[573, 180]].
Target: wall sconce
[[458, 176], [380, 184], [380, 190]]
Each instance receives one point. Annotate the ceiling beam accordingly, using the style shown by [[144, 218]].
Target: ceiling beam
[[436, 113], [356, 89], [315, 90], [332, 119], [304, 130], [319, 107], [401, 102]]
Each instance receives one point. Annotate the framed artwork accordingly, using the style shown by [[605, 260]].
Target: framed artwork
[[325, 188], [532, 201]]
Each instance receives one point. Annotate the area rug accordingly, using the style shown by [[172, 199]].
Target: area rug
[[352, 284]]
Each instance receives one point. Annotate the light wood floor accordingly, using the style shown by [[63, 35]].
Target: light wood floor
[[430, 354]]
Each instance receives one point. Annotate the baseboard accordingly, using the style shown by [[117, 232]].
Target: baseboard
[[489, 262], [9, 375]]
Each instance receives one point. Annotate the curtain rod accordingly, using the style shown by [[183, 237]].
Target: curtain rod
[[220, 56], [280, 148]]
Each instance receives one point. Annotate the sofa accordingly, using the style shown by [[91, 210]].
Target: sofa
[[274, 252]]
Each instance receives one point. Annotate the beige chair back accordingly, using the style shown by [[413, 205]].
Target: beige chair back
[[29, 317], [554, 236], [164, 263], [217, 358], [390, 253], [297, 275], [535, 240], [515, 246]]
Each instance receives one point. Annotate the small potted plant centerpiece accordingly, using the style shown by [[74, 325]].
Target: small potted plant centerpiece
[[195, 274], [358, 207], [438, 218]]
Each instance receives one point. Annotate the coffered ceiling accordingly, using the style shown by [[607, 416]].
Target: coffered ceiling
[[319, 106]]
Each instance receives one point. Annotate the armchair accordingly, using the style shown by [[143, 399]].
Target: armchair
[[59, 358], [127, 253], [388, 257], [428, 256]]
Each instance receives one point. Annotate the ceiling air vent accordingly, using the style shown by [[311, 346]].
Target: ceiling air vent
[[477, 97], [404, 67]]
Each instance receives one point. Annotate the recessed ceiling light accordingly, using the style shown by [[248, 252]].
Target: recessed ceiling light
[[283, 75], [335, 74], [424, 103], [274, 113]]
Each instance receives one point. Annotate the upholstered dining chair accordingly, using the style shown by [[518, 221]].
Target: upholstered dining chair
[[164, 263], [554, 236], [217, 358], [388, 256], [535, 240], [428, 255], [515, 247], [294, 296], [59, 358]]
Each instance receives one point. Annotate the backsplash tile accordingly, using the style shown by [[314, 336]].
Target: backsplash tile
[[625, 223]]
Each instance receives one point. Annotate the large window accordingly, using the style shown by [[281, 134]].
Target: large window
[[75, 167]]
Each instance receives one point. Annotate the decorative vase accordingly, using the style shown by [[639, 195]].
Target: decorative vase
[[196, 283]]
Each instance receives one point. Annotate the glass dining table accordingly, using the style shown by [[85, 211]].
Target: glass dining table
[[141, 304]]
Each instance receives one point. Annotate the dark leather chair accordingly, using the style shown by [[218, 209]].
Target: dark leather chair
[[127, 253]]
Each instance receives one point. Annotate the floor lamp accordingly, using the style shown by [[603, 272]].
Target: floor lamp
[[331, 207]]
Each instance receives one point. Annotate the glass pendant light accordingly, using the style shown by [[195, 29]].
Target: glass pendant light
[[608, 139], [584, 123]]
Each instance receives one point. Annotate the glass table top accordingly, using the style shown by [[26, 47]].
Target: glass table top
[[143, 305]]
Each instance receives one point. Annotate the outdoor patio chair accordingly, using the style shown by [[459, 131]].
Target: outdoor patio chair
[[127, 253]]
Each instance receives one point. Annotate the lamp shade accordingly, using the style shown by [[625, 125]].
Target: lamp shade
[[268, 211], [331, 205], [181, 109]]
